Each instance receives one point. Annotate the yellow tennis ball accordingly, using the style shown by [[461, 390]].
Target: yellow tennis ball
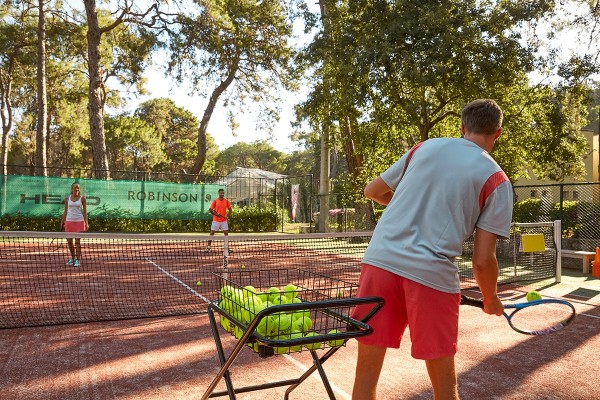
[[335, 343], [285, 322], [227, 291], [249, 291], [290, 291], [279, 299], [533, 295], [199, 283], [296, 335], [301, 324], [237, 332], [225, 324], [312, 346]]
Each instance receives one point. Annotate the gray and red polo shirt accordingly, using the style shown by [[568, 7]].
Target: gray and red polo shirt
[[443, 189]]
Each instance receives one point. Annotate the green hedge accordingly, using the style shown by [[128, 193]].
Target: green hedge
[[569, 219], [528, 210], [244, 219], [578, 218]]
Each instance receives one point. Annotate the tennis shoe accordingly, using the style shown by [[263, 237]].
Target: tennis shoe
[[70, 262], [76, 263]]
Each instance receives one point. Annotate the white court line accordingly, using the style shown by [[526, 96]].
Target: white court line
[[582, 305], [178, 280], [588, 315], [317, 377], [298, 364]]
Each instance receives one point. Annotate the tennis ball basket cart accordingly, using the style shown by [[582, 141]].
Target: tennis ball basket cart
[[283, 311]]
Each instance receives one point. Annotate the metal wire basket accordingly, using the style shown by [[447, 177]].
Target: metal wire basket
[[286, 310]]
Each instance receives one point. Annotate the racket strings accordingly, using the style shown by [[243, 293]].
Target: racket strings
[[542, 318]]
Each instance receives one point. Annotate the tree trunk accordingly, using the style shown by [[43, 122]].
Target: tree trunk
[[48, 133], [40, 133], [325, 167], [212, 103], [324, 180], [364, 214], [95, 92], [5, 113]]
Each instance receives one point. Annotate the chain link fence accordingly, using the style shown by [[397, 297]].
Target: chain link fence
[[576, 205], [297, 203]]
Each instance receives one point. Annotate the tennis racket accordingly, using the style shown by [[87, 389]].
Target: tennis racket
[[55, 244], [219, 215], [538, 317]]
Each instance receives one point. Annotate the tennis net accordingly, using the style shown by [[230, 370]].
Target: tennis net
[[125, 276]]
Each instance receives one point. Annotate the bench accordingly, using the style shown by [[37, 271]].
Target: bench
[[586, 257]]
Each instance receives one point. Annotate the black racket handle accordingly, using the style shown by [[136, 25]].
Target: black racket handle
[[469, 301]]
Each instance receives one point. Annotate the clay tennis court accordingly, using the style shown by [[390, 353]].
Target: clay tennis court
[[175, 358]]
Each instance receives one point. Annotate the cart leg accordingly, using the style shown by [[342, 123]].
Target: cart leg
[[224, 372], [317, 365], [322, 373]]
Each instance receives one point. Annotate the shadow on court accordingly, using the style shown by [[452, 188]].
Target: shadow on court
[[175, 358]]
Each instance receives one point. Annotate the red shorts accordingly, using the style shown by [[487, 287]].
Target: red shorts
[[74, 226], [431, 315]]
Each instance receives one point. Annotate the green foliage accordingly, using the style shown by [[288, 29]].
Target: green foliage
[[255, 218], [237, 50], [588, 216], [252, 218], [23, 223], [528, 210], [132, 144], [568, 215], [125, 50], [383, 75], [177, 129], [258, 154], [414, 65], [71, 135], [578, 218], [378, 213], [541, 133], [301, 162]]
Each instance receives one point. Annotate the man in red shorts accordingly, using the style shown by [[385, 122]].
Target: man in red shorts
[[436, 195], [220, 209]]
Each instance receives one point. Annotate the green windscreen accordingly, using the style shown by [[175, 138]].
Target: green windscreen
[[39, 196]]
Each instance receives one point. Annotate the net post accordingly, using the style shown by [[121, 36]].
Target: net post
[[225, 256], [558, 244]]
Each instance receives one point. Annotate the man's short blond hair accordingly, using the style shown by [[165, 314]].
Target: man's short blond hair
[[482, 116]]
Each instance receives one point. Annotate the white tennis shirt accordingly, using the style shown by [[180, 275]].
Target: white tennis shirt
[[75, 210], [449, 187]]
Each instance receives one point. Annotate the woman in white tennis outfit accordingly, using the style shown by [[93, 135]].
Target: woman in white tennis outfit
[[75, 219]]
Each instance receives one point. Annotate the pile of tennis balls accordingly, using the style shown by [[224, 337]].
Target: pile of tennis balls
[[244, 303]]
